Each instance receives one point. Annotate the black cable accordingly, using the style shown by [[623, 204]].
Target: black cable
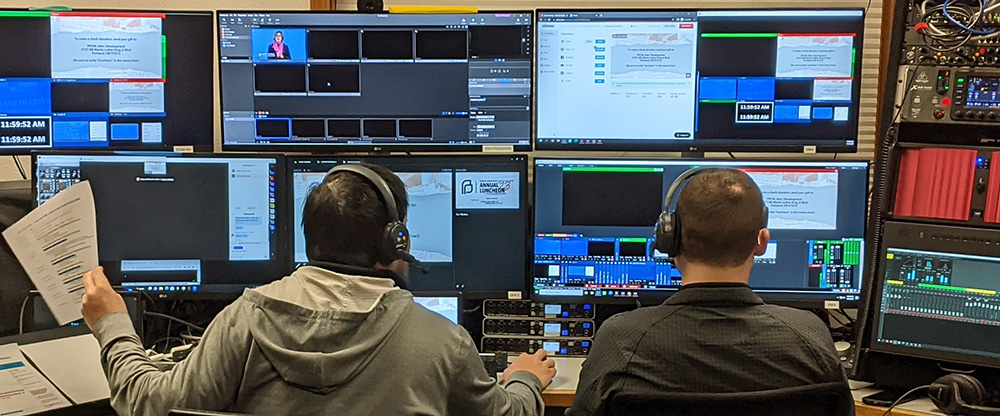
[[731, 155], [900, 399], [843, 312], [20, 169], [902, 103], [171, 318]]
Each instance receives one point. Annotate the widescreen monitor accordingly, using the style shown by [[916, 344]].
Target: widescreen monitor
[[180, 225], [697, 80], [594, 222], [136, 80], [334, 81], [468, 218], [936, 295]]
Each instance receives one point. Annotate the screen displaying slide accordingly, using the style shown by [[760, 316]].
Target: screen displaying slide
[[348, 80], [632, 74], [694, 80], [594, 222], [172, 223], [462, 212], [100, 80]]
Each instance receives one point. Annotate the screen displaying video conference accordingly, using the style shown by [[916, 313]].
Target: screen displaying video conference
[[105, 80], [298, 80], [167, 223], [766, 80], [468, 217], [594, 222]]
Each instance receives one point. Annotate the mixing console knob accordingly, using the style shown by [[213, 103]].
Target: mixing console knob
[[938, 113], [992, 115], [969, 114], [957, 114], [981, 114]]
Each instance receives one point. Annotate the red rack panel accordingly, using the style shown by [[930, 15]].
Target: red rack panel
[[935, 183]]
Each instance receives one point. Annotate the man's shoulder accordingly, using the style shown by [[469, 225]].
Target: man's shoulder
[[638, 320], [803, 322]]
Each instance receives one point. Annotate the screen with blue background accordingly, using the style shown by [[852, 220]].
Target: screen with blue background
[[295, 39]]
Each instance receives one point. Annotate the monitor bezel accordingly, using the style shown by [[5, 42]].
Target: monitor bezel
[[692, 146], [814, 302], [204, 145], [279, 263], [528, 208], [335, 148]]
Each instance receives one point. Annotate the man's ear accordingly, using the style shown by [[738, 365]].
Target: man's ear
[[763, 237]]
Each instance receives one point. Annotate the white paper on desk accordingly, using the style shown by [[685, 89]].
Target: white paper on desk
[[73, 364], [57, 243], [23, 391]]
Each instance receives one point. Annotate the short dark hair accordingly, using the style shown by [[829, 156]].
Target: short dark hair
[[721, 213], [344, 218]]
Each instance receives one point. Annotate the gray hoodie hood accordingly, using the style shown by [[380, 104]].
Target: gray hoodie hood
[[319, 329]]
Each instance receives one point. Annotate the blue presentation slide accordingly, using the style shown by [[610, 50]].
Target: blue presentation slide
[[278, 45]]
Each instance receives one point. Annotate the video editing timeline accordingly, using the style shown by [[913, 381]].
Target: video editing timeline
[[940, 302], [594, 220], [179, 224], [363, 80], [97, 79], [468, 217], [729, 80]]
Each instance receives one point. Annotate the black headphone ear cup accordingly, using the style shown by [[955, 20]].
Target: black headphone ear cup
[[971, 390], [667, 234], [397, 238], [943, 393], [766, 213]]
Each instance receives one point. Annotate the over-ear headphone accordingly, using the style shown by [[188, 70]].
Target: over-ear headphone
[[667, 237], [395, 243], [962, 394]]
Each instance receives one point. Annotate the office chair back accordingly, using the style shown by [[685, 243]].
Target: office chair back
[[827, 399]]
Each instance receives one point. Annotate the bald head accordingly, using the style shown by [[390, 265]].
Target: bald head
[[721, 213]]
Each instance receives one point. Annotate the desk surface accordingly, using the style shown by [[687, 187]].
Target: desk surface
[[921, 407]]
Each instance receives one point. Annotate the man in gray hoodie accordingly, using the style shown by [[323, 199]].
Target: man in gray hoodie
[[336, 337]]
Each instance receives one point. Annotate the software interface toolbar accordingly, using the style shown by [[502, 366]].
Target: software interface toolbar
[[594, 222], [656, 80], [89, 79], [348, 79]]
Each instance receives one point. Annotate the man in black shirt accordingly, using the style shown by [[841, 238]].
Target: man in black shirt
[[714, 335]]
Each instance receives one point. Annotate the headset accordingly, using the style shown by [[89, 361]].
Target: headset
[[962, 394], [667, 237], [395, 242]]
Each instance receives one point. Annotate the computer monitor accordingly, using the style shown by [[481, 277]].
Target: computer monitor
[[697, 80], [937, 296], [446, 304], [136, 80], [376, 81], [180, 225], [594, 222], [468, 218]]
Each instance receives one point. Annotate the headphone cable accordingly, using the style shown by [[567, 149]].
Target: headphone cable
[[905, 395]]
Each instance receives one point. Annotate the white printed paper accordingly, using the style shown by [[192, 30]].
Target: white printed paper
[[74, 365], [23, 391], [57, 243]]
